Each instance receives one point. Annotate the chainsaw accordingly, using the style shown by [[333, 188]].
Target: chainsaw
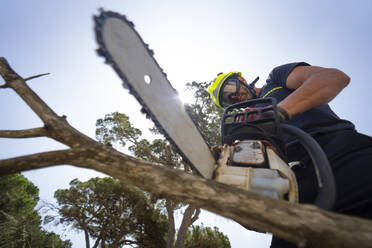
[[253, 154]]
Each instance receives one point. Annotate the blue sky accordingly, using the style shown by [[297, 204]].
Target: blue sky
[[193, 41]]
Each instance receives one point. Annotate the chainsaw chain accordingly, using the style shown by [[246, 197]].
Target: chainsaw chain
[[102, 51]]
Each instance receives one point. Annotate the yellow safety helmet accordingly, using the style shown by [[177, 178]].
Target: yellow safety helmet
[[224, 83], [216, 85]]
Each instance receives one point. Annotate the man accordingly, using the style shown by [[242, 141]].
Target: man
[[303, 92]]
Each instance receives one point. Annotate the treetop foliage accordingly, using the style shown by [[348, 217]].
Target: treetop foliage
[[206, 237], [205, 114], [20, 223], [111, 212]]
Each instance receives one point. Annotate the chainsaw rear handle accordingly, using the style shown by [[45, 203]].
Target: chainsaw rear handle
[[326, 182]]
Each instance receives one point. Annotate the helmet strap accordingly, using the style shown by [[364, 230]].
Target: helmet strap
[[254, 82]]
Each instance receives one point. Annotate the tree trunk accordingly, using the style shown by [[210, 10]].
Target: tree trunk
[[96, 243], [24, 236], [86, 235], [190, 216], [171, 225], [301, 224]]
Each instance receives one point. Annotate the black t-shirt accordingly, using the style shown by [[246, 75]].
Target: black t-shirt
[[314, 121]]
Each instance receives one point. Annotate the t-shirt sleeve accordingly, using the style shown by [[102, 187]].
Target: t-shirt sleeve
[[280, 74]]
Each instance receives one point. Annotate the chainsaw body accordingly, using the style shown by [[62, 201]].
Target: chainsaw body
[[253, 153], [251, 165]]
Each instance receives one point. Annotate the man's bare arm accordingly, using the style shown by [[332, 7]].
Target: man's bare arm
[[313, 87]]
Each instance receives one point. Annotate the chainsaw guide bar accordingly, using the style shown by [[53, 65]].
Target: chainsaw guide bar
[[123, 48]]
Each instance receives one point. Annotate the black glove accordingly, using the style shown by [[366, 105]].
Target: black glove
[[283, 114]]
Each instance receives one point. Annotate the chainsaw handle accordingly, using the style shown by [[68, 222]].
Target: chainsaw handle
[[326, 182]]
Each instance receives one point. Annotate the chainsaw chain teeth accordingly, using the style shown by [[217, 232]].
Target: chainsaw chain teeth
[[102, 51]]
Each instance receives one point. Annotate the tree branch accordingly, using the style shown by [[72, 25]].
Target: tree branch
[[43, 160], [27, 133], [301, 224], [195, 217], [36, 76], [17, 83], [9, 217], [186, 222], [97, 242], [58, 127], [6, 71]]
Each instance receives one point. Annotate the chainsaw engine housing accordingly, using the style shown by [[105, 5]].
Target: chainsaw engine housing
[[256, 119], [253, 154]]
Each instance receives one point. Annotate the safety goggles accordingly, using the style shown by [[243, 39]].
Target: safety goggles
[[237, 90]]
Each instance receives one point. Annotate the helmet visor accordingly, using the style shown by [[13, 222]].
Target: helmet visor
[[234, 91]]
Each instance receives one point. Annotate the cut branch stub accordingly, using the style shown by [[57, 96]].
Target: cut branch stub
[[36, 76]]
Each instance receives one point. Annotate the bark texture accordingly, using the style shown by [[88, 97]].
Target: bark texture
[[302, 224]]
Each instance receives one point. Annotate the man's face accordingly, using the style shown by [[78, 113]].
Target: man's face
[[234, 91]]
